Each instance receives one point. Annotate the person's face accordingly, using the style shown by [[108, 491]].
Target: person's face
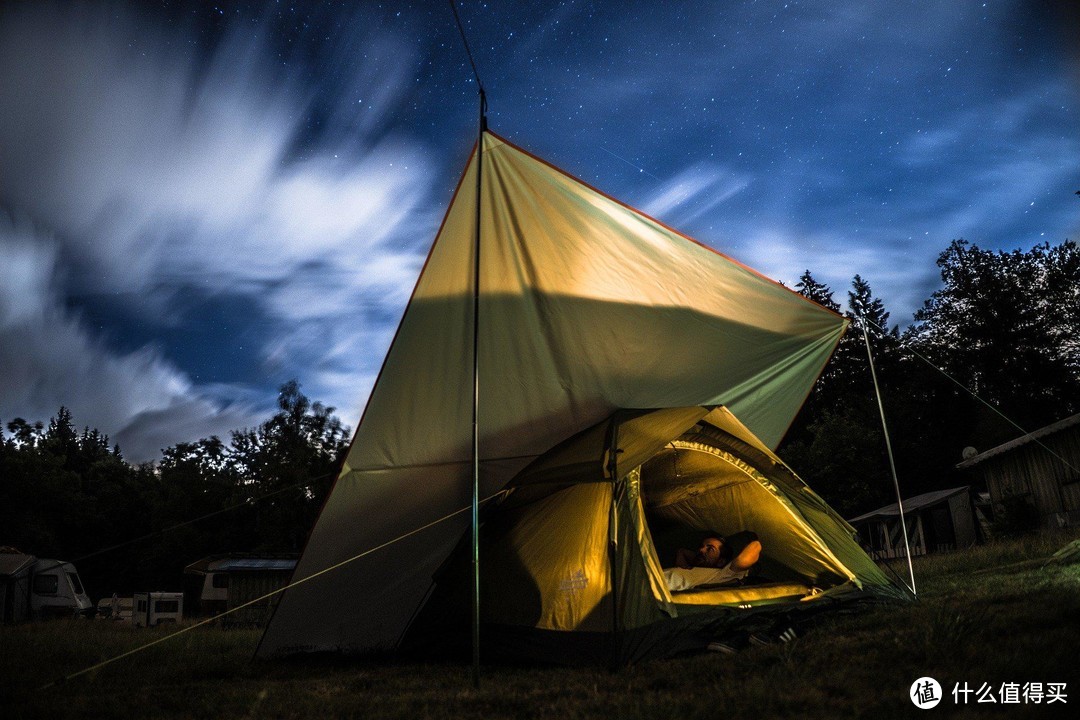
[[708, 555]]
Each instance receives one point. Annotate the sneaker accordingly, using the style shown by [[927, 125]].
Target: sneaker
[[762, 639], [722, 647], [787, 635]]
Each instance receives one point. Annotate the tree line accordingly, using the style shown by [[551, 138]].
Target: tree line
[[1001, 337], [1004, 325], [69, 495]]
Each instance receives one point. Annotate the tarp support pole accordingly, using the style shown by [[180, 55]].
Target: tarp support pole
[[613, 539], [476, 404], [888, 449], [476, 362]]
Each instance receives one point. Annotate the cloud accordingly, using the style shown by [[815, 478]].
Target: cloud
[[50, 358], [927, 147], [1011, 168], [128, 149], [899, 274], [693, 192], [161, 174]]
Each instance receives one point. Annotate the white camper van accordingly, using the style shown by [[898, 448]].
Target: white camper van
[[34, 588], [155, 608], [57, 591]]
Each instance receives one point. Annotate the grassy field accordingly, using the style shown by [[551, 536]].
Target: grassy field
[[991, 614]]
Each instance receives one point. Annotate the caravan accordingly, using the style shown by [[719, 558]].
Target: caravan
[[151, 609], [34, 588]]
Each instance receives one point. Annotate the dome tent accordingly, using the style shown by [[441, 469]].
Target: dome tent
[[586, 307], [572, 553]]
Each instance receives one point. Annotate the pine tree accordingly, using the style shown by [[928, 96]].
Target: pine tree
[[820, 293]]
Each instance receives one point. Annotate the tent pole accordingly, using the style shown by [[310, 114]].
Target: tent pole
[[888, 449], [476, 404]]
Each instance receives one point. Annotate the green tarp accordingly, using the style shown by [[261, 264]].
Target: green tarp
[[586, 306]]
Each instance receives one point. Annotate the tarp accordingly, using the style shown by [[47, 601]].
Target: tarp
[[586, 306]]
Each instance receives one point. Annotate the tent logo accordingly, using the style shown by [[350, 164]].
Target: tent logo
[[577, 581], [925, 693]]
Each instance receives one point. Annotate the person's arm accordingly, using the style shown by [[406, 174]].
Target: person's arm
[[684, 558], [746, 559]]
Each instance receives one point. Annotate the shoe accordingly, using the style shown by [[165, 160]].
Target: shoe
[[722, 647], [787, 635], [762, 639]]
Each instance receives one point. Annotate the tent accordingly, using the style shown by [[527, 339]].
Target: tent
[[588, 309]]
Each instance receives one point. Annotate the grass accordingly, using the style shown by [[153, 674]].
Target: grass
[[989, 614]]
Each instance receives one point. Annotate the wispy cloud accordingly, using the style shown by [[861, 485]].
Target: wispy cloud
[[1008, 170], [898, 273], [154, 172], [50, 357], [693, 192]]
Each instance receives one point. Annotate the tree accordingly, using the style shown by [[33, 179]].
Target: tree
[[836, 442], [61, 438], [70, 495], [65, 494], [290, 459], [24, 434], [1005, 325], [820, 293], [199, 480]]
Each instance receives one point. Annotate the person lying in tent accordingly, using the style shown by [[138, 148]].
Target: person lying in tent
[[719, 561]]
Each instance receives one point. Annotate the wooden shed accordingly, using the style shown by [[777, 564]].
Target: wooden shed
[[231, 581], [1038, 470], [939, 521]]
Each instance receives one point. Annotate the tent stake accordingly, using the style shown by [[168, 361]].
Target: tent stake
[[888, 449]]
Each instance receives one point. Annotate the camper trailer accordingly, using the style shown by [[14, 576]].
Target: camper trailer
[[121, 610], [33, 588], [155, 608]]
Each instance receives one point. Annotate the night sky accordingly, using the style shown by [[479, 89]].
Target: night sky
[[199, 202]]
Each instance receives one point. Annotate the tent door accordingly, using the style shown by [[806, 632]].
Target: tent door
[[638, 528]]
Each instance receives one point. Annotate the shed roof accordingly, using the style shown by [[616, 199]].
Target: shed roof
[[243, 563], [912, 504], [252, 564], [1022, 440]]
